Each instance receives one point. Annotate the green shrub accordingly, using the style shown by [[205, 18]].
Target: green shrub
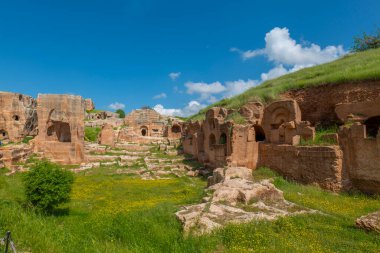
[[47, 185], [27, 139], [121, 113], [91, 133], [365, 42]]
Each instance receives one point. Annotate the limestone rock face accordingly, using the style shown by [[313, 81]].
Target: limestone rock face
[[89, 104], [234, 199], [370, 222], [18, 116], [61, 128]]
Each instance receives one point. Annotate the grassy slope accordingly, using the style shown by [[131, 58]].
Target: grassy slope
[[351, 68], [120, 213]]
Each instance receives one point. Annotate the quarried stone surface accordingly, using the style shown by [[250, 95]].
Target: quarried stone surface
[[61, 128]]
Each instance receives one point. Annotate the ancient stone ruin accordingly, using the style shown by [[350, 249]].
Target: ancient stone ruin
[[61, 128], [18, 117], [272, 137]]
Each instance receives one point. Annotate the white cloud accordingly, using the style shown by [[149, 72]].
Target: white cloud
[[116, 106], [280, 48], [236, 87], [160, 96], [174, 75], [273, 73], [191, 108], [205, 90]]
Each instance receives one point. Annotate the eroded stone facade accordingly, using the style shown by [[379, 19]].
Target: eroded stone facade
[[272, 138], [18, 117], [61, 128]]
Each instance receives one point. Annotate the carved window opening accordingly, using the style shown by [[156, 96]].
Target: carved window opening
[[3, 134], [372, 126], [16, 117]]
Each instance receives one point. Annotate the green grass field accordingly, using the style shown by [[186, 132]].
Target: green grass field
[[350, 68], [121, 213]]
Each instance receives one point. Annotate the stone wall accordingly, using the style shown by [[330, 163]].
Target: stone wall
[[361, 157], [18, 116], [61, 128], [318, 103], [313, 164], [12, 154]]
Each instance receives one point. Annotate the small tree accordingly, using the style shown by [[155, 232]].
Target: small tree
[[121, 113], [365, 42], [47, 185]]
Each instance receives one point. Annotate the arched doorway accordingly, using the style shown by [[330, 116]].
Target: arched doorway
[[144, 131], [223, 139], [176, 129], [372, 126], [259, 133]]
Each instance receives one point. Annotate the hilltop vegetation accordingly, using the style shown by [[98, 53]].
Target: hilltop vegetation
[[355, 67]]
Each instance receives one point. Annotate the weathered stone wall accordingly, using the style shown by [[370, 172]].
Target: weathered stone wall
[[313, 164], [244, 147], [18, 116], [361, 158], [61, 128], [107, 135], [318, 103], [12, 154], [146, 122]]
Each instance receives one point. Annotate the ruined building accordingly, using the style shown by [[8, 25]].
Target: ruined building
[[272, 138], [18, 117], [61, 128]]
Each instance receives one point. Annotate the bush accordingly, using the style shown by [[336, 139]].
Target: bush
[[365, 42], [47, 185], [91, 133], [121, 113]]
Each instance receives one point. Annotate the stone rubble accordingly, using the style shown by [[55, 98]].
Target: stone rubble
[[233, 197]]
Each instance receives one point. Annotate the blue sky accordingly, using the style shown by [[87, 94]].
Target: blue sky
[[123, 51]]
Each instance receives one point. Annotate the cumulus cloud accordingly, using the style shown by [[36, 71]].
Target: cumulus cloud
[[174, 75], [116, 106], [236, 87], [191, 108], [205, 90], [160, 96], [281, 49], [274, 72]]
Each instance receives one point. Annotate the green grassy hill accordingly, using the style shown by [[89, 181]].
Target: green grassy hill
[[350, 68]]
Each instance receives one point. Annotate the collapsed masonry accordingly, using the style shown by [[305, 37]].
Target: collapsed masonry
[[272, 136]]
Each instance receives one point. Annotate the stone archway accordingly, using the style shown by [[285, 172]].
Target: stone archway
[[176, 129], [259, 133], [144, 131]]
